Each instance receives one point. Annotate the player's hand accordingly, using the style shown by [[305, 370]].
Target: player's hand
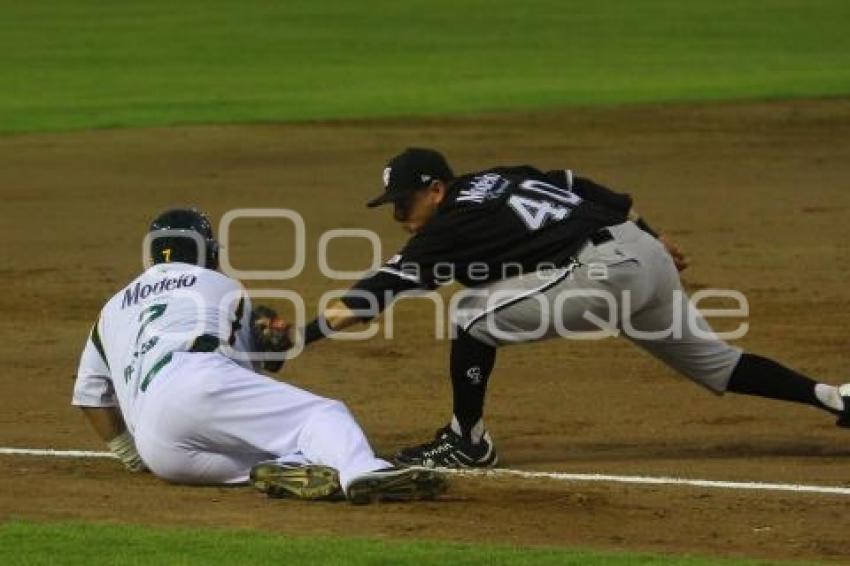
[[271, 334], [679, 257]]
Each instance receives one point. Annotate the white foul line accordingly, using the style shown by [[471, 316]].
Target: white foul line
[[55, 453], [649, 480], [505, 472]]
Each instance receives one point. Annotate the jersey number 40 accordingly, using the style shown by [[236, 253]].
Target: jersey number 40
[[538, 203]]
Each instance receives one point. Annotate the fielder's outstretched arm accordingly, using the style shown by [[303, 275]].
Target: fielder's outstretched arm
[[337, 316], [365, 301]]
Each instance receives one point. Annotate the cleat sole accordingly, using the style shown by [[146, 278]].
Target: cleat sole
[[409, 484], [302, 482]]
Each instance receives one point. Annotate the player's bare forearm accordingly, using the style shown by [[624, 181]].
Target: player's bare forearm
[[107, 422], [339, 317], [110, 427], [335, 317]]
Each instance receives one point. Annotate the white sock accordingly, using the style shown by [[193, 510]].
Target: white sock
[[475, 434], [829, 396]]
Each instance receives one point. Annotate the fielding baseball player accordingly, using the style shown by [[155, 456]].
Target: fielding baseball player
[[165, 379], [544, 255]]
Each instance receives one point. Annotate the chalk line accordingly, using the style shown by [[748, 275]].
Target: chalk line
[[650, 480], [526, 474], [55, 453]]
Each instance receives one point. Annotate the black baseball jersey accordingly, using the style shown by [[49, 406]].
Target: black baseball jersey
[[496, 224]]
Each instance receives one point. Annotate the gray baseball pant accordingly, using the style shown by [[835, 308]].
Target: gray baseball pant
[[626, 286]]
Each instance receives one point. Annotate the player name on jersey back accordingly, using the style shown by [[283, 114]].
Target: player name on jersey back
[[140, 291], [482, 188]]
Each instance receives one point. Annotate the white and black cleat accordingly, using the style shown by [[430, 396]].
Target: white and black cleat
[[396, 484], [450, 450]]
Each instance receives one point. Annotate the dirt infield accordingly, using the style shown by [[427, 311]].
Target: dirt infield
[[758, 194]]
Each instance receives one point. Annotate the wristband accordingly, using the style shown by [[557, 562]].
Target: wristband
[[316, 330]]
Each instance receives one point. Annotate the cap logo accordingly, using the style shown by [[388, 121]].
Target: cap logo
[[387, 171], [425, 178]]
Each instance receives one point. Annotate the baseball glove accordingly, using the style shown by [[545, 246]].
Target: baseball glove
[[271, 334]]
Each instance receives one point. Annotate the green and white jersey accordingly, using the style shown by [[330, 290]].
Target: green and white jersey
[[169, 308]]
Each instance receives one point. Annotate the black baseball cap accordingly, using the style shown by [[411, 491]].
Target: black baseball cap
[[413, 169]]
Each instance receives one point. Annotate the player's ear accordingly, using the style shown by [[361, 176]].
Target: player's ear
[[438, 189]]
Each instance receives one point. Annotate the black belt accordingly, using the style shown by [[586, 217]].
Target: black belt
[[205, 343], [601, 236]]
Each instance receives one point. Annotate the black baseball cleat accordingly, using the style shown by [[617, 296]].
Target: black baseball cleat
[[844, 416], [297, 481], [396, 484], [450, 450]]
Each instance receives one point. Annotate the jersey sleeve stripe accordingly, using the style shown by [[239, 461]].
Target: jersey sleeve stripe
[[402, 275], [98, 344]]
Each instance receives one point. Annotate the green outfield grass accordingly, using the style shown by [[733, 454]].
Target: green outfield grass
[[101, 63], [87, 544]]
